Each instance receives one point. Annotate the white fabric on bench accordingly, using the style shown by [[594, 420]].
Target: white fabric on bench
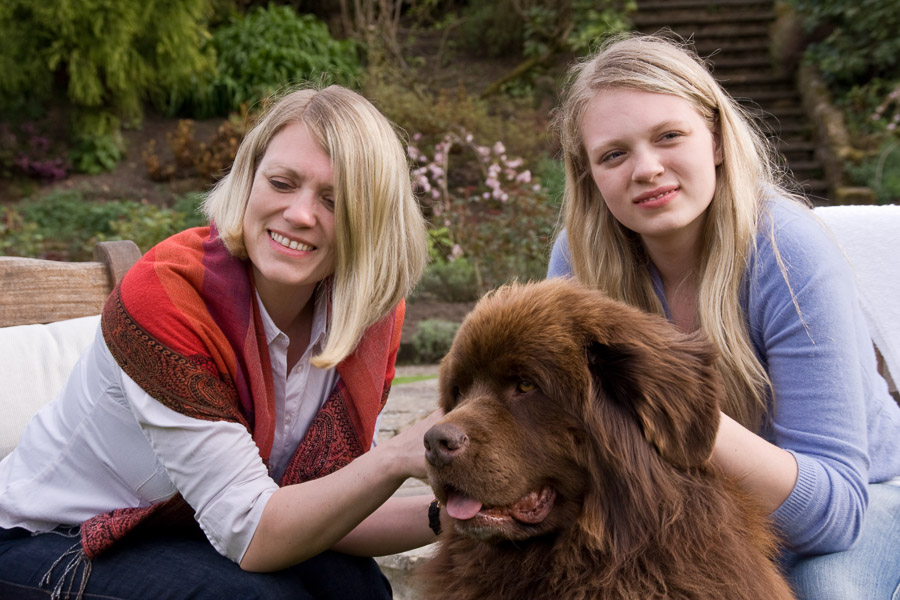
[[870, 238], [35, 362]]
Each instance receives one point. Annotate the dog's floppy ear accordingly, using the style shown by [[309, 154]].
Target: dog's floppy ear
[[668, 381]]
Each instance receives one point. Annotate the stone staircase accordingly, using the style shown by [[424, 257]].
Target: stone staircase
[[735, 36]]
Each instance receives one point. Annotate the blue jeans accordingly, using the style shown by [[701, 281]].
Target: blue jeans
[[870, 570], [172, 566]]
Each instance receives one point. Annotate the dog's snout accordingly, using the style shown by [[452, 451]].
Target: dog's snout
[[443, 443]]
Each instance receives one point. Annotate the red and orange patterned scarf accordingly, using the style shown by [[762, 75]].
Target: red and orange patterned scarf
[[184, 324]]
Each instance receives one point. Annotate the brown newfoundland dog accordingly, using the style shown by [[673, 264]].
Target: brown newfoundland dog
[[573, 460]]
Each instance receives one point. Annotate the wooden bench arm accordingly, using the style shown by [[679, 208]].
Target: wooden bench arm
[[42, 291]]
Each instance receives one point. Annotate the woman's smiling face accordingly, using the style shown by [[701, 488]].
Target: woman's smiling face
[[289, 222], [653, 157]]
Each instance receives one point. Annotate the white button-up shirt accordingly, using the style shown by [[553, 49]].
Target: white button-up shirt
[[104, 443]]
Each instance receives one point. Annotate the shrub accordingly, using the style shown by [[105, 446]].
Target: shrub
[[191, 157], [856, 47], [106, 59], [539, 27], [188, 205], [881, 172], [495, 211], [64, 226], [267, 50], [96, 153], [448, 281], [26, 151], [516, 121], [432, 340], [861, 42]]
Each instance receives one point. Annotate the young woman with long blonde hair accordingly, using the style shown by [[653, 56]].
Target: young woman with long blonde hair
[[673, 204]]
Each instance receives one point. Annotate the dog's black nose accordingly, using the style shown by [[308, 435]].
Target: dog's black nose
[[443, 443]]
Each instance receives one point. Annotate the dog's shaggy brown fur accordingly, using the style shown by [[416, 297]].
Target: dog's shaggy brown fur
[[573, 458]]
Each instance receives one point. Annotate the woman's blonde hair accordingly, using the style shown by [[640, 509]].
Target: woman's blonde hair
[[606, 255], [379, 229]]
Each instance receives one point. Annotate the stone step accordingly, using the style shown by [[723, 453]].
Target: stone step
[[661, 5], [742, 62], [761, 78], [710, 31], [816, 190], [798, 145], [677, 18], [720, 48], [795, 130], [806, 166], [770, 98], [407, 403]]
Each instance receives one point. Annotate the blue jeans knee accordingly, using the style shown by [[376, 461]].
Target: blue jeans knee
[[869, 570]]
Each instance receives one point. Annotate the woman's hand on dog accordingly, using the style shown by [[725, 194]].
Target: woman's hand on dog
[[410, 447]]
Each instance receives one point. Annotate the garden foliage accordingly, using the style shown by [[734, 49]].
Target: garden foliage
[[856, 47], [66, 226], [431, 340], [483, 170], [490, 207], [106, 58], [859, 38], [266, 50], [541, 27]]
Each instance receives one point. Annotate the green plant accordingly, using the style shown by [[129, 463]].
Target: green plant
[[266, 50], [539, 30], [448, 281], [432, 113], [105, 58], [18, 237], [95, 153], [858, 39], [538, 27], [432, 340], [496, 213], [881, 172], [189, 206], [63, 225]]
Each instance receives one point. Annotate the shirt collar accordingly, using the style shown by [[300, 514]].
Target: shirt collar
[[319, 325]]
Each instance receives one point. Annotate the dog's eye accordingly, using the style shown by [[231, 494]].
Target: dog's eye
[[524, 386]]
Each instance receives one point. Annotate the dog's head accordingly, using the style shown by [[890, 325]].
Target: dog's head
[[561, 404]]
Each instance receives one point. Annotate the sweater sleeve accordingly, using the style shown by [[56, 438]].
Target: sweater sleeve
[[560, 265], [812, 338]]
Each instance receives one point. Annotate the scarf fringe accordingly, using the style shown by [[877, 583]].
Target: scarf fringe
[[78, 560]]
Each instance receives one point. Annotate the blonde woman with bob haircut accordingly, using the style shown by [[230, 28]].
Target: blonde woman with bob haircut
[[673, 203], [379, 230], [217, 439]]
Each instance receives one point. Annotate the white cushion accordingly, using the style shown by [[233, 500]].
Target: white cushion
[[870, 238], [35, 362]]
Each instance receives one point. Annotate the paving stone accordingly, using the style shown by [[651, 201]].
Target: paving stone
[[407, 403]]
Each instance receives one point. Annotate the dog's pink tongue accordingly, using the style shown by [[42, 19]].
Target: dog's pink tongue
[[462, 507]]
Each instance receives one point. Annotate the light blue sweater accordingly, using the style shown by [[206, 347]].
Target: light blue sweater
[[833, 410]]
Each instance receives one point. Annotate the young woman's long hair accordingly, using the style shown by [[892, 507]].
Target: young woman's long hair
[[608, 256], [379, 228]]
